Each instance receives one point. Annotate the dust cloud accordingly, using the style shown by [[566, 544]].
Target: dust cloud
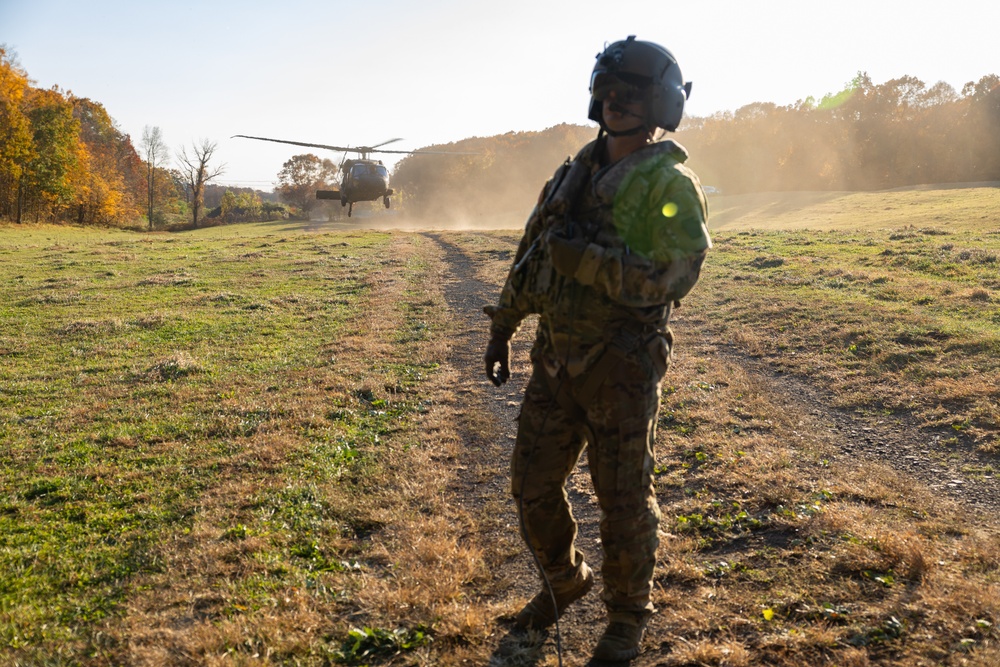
[[867, 137], [490, 183]]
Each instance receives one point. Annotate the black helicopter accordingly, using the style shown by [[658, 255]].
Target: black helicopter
[[362, 179]]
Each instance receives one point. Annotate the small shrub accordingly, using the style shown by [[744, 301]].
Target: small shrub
[[178, 366], [980, 294], [364, 644], [767, 262]]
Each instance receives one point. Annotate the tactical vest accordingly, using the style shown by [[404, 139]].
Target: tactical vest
[[646, 206]]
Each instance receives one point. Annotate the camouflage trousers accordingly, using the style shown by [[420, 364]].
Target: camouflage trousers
[[617, 429]]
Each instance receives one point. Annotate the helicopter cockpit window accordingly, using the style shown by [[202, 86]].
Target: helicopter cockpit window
[[359, 170], [382, 171]]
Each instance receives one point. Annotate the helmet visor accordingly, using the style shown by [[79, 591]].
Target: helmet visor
[[602, 84]]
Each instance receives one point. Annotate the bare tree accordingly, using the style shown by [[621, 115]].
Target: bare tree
[[155, 151], [197, 171]]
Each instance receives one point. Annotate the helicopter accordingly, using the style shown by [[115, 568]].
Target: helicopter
[[363, 179]]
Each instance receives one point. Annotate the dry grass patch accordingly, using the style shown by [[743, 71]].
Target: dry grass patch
[[709, 653], [785, 558], [176, 366]]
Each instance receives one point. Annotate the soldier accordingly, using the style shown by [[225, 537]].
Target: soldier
[[617, 238]]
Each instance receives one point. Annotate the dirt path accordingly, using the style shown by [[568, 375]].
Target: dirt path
[[483, 488], [897, 441]]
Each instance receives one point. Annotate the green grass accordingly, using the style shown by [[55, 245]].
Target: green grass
[[954, 208], [137, 372], [895, 319]]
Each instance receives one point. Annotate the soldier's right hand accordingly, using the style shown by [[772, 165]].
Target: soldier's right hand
[[498, 352]]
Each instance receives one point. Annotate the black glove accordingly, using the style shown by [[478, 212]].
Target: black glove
[[565, 252], [498, 352]]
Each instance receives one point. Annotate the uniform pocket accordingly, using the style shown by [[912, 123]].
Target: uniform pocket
[[659, 354], [634, 461]]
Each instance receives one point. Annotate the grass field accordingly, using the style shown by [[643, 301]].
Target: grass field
[[893, 313], [167, 395], [955, 208], [234, 445]]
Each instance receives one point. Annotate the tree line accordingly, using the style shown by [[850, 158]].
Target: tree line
[[867, 136], [63, 158]]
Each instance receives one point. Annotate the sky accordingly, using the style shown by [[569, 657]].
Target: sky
[[437, 71]]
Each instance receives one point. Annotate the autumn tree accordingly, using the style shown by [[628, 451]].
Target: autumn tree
[[300, 178], [240, 206], [156, 155], [198, 172], [111, 189], [57, 167], [15, 130]]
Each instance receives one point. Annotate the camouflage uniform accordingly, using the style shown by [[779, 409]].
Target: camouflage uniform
[[600, 353]]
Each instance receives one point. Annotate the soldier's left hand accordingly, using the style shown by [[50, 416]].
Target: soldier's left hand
[[497, 358], [566, 252]]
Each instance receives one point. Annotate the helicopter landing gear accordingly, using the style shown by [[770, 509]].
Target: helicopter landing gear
[[350, 209], [385, 200]]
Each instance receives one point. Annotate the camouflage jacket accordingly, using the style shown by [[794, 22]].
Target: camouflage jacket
[[644, 221]]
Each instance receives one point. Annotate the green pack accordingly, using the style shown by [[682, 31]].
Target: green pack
[[660, 205]]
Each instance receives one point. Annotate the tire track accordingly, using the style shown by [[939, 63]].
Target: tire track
[[896, 441]]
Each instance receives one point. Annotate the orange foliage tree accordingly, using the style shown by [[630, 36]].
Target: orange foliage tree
[[16, 147], [63, 158], [57, 169], [114, 178]]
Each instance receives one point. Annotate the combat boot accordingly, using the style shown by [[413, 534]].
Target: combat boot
[[621, 641], [539, 612]]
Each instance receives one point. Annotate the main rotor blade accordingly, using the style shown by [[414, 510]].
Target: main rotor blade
[[299, 143], [423, 152], [386, 142], [357, 149]]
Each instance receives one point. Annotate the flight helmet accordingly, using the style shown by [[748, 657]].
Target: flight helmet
[[640, 70]]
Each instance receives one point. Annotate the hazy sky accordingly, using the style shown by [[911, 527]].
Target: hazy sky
[[436, 71]]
